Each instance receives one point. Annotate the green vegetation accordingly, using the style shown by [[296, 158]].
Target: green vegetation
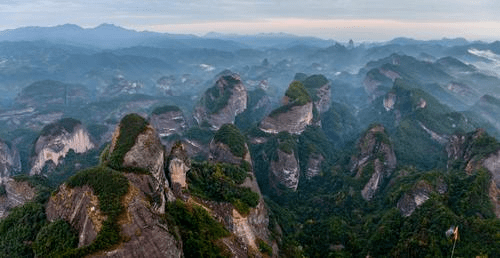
[[20, 228], [165, 109], [230, 135], [55, 239], [297, 96], [286, 141], [315, 81], [220, 182], [109, 186], [199, 231], [264, 247], [67, 124], [198, 134], [130, 127]]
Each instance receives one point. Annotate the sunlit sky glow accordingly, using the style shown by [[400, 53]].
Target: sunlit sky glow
[[362, 20]]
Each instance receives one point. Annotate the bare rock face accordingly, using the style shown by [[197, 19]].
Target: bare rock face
[[413, 199], [492, 163], [10, 161], [146, 237], [55, 142], [80, 207], [178, 166], [314, 165], [285, 171], [17, 194], [223, 102], [247, 228], [293, 121], [147, 153], [375, 149], [167, 121], [324, 94], [389, 101]]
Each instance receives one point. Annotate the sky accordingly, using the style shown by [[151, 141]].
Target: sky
[[361, 20]]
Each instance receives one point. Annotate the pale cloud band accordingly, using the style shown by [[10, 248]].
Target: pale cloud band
[[338, 19]]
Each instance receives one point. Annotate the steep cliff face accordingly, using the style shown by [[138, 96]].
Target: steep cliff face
[[16, 194], [285, 171], [314, 165], [248, 228], [222, 103], [146, 153], [168, 120], [294, 115], [146, 237], [323, 98], [414, 198], [376, 157], [10, 161], [476, 150], [178, 165], [55, 142], [293, 121]]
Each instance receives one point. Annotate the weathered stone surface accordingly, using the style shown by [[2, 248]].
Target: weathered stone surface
[[18, 193], [146, 236], [314, 165], [370, 147], [285, 171], [10, 160], [168, 123], [80, 207], [324, 94], [220, 152], [54, 147], [293, 121], [148, 153], [413, 199], [492, 163], [178, 166], [236, 104]]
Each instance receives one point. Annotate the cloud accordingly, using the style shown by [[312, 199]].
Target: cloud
[[150, 14]]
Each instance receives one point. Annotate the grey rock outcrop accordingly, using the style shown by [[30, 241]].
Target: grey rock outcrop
[[178, 165], [10, 161], [375, 148], [324, 94], [56, 143], [17, 194], [147, 153], [285, 171], [247, 228], [146, 236], [293, 121], [222, 103], [171, 121], [413, 199], [314, 165]]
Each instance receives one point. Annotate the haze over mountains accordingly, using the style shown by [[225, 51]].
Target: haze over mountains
[[142, 144]]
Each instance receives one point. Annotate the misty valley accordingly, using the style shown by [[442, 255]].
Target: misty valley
[[120, 143]]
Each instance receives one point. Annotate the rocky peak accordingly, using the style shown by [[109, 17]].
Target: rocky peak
[[376, 156], [10, 161], [294, 115], [223, 102], [136, 145], [56, 140], [178, 165], [168, 120], [319, 89]]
